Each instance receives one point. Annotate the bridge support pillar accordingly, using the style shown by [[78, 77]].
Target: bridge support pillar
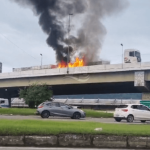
[[146, 96], [9, 101], [8, 95], [139, 81]]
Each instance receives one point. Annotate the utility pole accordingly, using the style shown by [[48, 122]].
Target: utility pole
[[69, 29]]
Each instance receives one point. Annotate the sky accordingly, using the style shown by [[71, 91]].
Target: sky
[[22, 40]]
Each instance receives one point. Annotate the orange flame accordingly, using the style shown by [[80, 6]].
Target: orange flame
[[78, 63]]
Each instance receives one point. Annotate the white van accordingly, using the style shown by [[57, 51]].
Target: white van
[[4, 103], [132, 56]]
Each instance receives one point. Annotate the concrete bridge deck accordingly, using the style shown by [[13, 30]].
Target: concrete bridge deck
[[78, 70]]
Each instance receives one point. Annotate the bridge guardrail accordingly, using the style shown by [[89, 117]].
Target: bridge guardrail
[[76, 70]]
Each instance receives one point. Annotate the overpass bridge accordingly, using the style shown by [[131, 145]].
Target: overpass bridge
[[115, 78]]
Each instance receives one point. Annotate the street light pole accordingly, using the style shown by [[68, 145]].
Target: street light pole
[[41, 60], [69, 29], [122, 55]]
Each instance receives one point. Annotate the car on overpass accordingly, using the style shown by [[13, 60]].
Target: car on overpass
[[47, 109], [131, 112]]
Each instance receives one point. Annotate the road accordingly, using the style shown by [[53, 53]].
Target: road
[[103, 120], [32, 148]]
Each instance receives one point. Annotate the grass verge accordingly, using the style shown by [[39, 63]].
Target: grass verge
[[46, 127], [17, 111], [28, 111], [97, 114]]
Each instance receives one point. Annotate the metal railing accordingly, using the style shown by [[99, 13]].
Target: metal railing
[[98, 101]]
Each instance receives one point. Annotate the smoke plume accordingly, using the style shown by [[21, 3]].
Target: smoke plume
[[88, 38]]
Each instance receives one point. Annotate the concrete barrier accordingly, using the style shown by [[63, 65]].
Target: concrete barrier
[[103, 141], [132, 65], [15, 74], [148, 142], [63, 70], [26, 73], [3, 75], [71, 70], [72, 140], [52, 71], [96, 68], [77, 70], [38, 72], [80, 69], [145, 65], [114, 66], [138, 142], [41, 141], [77, 140], [11, 141]]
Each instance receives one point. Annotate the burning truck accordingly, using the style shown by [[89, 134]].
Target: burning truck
[[78, 63], [130, 56]]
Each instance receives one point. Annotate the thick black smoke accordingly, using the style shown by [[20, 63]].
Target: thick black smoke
[[89, 37]]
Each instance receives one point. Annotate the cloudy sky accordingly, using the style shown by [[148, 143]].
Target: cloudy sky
[[22, 40]]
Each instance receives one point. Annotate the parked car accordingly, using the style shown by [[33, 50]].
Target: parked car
[[47, 109], [132, 112]]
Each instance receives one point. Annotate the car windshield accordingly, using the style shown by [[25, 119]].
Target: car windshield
[[137, 54], [131, 54]]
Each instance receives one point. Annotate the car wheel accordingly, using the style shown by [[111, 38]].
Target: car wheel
[[143, 121], [45, 114], [130, 118], [117, 119], [77, 115]]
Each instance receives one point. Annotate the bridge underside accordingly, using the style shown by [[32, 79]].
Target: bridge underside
[[101, 88], [71, 89]]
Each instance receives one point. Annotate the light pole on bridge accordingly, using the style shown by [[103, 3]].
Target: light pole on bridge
[[122, 55], [41, 60]]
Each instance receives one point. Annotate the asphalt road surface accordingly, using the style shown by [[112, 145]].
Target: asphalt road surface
[[103, 120], [32, 148]]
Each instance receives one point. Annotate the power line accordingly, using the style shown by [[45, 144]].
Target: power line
[[17, 46]]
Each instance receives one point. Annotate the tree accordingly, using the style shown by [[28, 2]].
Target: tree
[[35, 94]]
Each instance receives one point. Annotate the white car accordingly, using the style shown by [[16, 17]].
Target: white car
[[132, 112]]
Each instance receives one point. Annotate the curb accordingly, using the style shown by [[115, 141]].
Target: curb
[[76, 140]]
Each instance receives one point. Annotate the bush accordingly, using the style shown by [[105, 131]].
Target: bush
[[35, 94]]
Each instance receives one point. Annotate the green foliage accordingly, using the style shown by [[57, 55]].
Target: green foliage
[[35, 94]]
